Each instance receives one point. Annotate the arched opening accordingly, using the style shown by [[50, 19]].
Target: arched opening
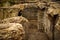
[[20, 13]]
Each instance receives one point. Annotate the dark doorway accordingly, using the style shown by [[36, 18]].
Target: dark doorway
[[20, 13]]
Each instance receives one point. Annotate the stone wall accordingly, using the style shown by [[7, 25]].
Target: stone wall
[[40, 23]]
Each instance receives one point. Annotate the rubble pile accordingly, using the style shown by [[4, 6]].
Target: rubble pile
[[43, 16], [11, 31], [20, 20]]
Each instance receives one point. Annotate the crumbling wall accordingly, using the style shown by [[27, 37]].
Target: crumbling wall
[[36, 12], [52, 18], [21, 20], [11, 31]]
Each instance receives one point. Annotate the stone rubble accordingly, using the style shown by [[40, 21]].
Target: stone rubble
[[11, 31]]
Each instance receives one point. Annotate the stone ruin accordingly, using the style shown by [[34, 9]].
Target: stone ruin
[[45, 12], [11, 31], [21, 20]]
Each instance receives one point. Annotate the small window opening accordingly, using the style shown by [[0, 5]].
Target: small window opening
[[20, 13], [43, 9]]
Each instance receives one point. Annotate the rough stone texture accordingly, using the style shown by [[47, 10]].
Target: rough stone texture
[[36, 27], [7, 12], [32, 13], [51, 19], [20, 20], [39, 20], [38, 36], [47, 26], [53, 9], [57, 30], [11, 31]]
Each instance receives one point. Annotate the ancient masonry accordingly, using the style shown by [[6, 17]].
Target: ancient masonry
[[30, 20]]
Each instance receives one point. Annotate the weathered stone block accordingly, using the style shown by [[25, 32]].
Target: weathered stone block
[[11, 31]]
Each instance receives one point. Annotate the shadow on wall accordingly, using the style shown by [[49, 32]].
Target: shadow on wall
[[20, 13]]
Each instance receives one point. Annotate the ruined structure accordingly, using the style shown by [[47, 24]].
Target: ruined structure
[[11, 31], [21, 20], [43, 16]]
